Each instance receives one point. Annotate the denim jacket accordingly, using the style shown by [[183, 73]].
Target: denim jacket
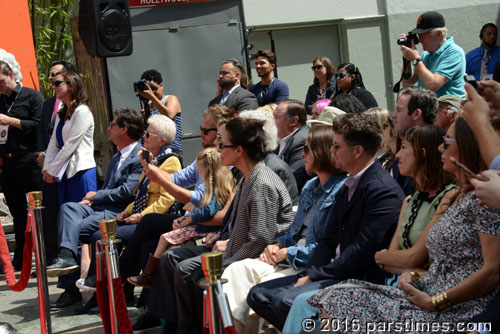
[[320, 200]]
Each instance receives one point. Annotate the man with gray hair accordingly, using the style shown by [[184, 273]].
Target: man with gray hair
[[447, 111], [290, 117], [441, 67]]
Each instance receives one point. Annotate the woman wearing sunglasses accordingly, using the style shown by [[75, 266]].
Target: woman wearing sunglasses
[[350, 81], [323, 85], [69, 157]]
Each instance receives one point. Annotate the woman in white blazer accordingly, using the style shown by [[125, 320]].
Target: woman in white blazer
[[69, 157]]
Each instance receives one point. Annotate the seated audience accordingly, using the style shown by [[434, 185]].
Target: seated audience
[[150, 197], [286, 256], [418, 213], [350, 81], [323, 86], [363, 222], [218, 184], [116, 193], [463, 247], [260, 212]]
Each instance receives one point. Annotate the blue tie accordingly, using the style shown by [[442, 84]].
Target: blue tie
[[224, 97]]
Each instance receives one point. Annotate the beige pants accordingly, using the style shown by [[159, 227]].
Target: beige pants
[[242, 276]]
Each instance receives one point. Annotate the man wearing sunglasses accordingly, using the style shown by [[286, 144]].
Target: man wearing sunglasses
[[269, 89], [44, 132], [20, 110], [233, 95]]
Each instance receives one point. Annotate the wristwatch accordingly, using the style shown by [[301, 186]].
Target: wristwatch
[[415, 61]]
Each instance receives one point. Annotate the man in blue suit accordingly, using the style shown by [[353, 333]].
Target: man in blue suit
[[364, 219], [78, 221]]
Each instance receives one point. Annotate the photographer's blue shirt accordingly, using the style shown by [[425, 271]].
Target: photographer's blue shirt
[[449, 61]]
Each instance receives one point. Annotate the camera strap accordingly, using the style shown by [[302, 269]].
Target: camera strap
[[405, 75]]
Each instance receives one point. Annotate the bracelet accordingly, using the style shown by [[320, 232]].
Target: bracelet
[[440, 301], [415, 276]]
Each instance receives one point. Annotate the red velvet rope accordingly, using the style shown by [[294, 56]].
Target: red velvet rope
[[124, 324], [27, 259]]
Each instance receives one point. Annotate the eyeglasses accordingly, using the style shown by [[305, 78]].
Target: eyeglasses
[[221, 147], [112, 123], [207, 130], [447, 141], [58, 83], [52, 74], [316, 67], [306, 149], [342, 75], [148, 134]]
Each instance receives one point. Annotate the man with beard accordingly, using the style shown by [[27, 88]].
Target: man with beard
[[481, 61], [269, 89], [232, 95]]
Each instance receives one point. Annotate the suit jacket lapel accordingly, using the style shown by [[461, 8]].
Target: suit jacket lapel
[[231, 96], [110, 175]]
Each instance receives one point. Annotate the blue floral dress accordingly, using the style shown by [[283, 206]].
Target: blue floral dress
[[455, 251]]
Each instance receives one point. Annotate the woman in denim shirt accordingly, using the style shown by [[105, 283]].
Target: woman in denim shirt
[[289, 254]]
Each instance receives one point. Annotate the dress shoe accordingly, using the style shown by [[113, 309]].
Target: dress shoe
[[67, 299], [62, 266], [89, 308]]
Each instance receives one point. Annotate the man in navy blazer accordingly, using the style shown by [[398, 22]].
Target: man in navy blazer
[[233, 95], [290, 117], [78, 221], [363, 222]]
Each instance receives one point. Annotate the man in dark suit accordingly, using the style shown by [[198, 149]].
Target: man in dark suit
[[233, 95], [44, 132], [290, 117], [79, 220], [363, 222]]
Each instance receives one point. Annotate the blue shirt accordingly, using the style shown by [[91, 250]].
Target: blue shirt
[[449, 61], [188, 177], [277, 91], [475, 58], [319, 201], [495, 164]]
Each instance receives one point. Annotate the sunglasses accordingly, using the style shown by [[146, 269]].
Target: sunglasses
[[52, 74], [316, 67], [221, 147], [341, 75], [113, 123], [306, 149], [207, 130], [58, 83], [148, 134], [447, 141]]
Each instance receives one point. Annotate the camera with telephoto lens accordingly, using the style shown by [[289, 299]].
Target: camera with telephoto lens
[[406, 41], [142, 85]]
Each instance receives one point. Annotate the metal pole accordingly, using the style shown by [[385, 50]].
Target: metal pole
[[35, 210]]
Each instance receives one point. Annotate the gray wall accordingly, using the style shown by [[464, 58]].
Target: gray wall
[[367, 31]]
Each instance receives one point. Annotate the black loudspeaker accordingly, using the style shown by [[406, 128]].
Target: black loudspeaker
[[104, 27]]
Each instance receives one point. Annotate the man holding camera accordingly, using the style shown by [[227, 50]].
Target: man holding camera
[[150, 89], [441, 67]]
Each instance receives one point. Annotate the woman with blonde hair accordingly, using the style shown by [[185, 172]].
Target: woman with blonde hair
[[218, 181]]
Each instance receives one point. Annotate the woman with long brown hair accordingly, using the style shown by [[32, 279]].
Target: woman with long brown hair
[[323, 86], [70, 155]]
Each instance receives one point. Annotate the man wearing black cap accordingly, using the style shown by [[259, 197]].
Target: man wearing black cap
[[441, 67]]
